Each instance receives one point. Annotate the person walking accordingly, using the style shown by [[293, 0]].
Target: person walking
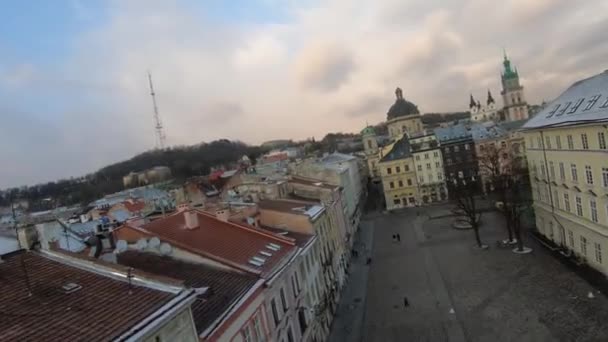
[[398, 237]]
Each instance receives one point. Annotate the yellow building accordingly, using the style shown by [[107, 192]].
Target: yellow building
[[398, 175], [403, 117], [428, 164], [567, 157]]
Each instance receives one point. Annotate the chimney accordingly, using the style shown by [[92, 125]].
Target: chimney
[[223, 214], [191, 218], [28, 236], [183, 207]]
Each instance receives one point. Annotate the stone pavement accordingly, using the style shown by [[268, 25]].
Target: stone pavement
[[350, 314]]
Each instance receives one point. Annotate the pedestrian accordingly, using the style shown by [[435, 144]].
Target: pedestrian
[[369, 261], [406, 303], [398, 237]]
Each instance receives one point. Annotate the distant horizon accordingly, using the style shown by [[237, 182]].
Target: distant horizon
[[73, 75]]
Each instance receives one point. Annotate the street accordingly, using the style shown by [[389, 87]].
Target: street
[[434, 285]]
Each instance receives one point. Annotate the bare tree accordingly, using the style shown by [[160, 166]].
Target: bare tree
[[465, 193]]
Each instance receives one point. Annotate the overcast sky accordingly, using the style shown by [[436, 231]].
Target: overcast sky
[[73, 87]]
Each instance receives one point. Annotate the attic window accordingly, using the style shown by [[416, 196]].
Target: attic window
[[259, 259], [553, 111], [273, 246], [255, 263], [264, 253], [71, 287], [576, 105], [605, 104], [563, 110], [592, 102]]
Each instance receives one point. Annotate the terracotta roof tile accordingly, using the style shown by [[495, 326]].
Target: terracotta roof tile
[[225, 288], [227, 242], [102, 309]]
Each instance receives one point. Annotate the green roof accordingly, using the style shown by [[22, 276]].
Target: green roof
[[369, 130]]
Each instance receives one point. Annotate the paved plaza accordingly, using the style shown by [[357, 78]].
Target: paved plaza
[[455, 292]]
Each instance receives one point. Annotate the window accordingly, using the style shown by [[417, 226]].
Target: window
[[576, 105], [369, 144], [574, 173], [302, 321], [406, 168], [389, 170], [562, 171], [437, 164], [558, 142], [247, 334], [391, 185], [570, 238], [583, 246], [593, 209], [588, 174], [539, 141], [579, 206], [556, 199], [567, 202], [435, 154], [409, 181], [456, 148], [552, 112], [426, 156], [257, 327], [275, 312], [543, 170], [531, 142], [551, 170], [449, 160], [397, 169], [570, 142], [467, 147], [397, 201], [598, 252], [417, 157], [563, 109], [430, 178], [400, 183], [284, 300], [605, 176], [421, 178], [547, 142], [428, 166], [601, 140], [585, 141], [439, 176], [592, 102], [419, 167]]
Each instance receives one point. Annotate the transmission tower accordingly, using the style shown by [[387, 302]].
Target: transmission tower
[[160, 134]]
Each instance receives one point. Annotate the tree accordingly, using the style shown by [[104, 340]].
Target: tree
[[508, 177], [465, 192]]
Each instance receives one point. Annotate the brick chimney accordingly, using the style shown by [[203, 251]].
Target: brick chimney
[[191, 218]]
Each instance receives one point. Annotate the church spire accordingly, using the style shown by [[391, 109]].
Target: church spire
[[472, 102], [490, 98]]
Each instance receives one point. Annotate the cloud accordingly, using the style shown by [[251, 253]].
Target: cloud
[[324, 66], [300, 69]]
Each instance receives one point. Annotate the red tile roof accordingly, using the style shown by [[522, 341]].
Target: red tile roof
[[135, 206], [227, 242], [102, 309], [225, 288]]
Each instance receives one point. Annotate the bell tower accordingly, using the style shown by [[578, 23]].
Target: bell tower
[[515, 105]]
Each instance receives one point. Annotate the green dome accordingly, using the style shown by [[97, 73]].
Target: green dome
[[369, 130], [401, 107]]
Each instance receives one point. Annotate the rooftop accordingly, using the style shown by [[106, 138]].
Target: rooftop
[[311, 182], [401, 149], [224, 288], [300, 238], [69, 302], [455, 132], [227, 242], [401, 107], [310, 209], [586, 101]]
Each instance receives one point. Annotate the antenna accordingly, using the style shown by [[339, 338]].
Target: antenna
[[158, 126]]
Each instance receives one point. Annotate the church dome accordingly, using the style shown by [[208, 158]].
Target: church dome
[[369, 130], [401, 107]]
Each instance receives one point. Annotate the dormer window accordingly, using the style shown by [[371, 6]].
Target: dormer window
[[552, 112], [605, 104], [576, 105], [564, 108], [592, 102]]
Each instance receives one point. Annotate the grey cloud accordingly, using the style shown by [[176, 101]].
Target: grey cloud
[[324, 67], [367, 106]]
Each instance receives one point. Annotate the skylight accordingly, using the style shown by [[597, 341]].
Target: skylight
[[592, 102], [605, 104], [264, 253], [255, 263], [259, 259], [553, 111], [273, 246], [564, 108], [576, 105]]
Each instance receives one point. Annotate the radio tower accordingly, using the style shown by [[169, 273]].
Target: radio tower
[[160, 134]]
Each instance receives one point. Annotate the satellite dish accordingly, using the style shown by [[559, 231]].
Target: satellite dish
[[154, 243], [121, 246], [165, 248], [141, 244]]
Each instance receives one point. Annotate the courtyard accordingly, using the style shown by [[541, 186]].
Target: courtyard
[[434, 285]]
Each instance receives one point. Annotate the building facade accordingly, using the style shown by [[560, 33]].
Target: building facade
[[428, 163], [398, 173], [480, 112], [566, 150], [458, 152]]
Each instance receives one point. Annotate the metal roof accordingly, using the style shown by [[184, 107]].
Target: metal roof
[[583, 102]]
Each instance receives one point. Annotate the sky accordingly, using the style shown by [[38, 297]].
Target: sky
[[73, 74]]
